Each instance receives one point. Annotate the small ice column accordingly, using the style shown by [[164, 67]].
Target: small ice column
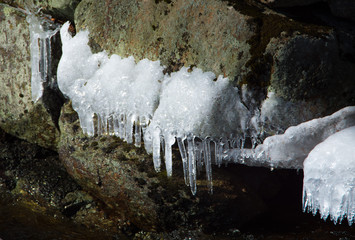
[[207, 159], [192, 164], [329, 177], [41, 32]]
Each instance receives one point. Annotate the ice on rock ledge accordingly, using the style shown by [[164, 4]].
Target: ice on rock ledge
[[120, 93], [290, 149], [194, 107], [114, 95], [41, 31], [329, 177]]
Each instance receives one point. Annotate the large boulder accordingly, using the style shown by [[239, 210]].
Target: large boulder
[[19, 115]]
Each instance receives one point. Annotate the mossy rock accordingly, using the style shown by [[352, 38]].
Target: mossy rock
[[19, 115]]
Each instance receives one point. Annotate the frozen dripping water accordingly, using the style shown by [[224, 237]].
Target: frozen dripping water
[[41, 31], [329, 177]]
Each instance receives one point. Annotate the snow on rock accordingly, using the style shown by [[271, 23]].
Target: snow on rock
[[329, 177], [41, 32], [290, 149]]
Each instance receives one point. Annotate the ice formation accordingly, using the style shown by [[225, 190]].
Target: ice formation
[[41, 32], [290, 149], [329, 177], [114, 95]]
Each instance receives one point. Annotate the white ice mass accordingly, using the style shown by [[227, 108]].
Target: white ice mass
[[329, 177], [290, 149], [41, 31], [188, 107]]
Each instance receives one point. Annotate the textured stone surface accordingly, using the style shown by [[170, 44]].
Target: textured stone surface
[[123, 177], [19, 116], [206, 34], [63, 9]]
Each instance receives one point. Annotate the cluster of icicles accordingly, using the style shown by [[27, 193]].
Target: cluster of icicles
[[136, 101], [41, 32]]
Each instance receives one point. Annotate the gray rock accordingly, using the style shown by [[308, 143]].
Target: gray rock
[[19, 115]]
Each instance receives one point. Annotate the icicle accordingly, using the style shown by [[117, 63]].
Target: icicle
[[199, 155], [192, 163], [169, 141], [156, 149], [121, 126], [137, 133], [40, 53], [207, 159], [116, 125], [184, 159]]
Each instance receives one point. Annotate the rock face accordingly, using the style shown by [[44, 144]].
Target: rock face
[[123, 177], [171, 32], [63, 9], [19, 115]]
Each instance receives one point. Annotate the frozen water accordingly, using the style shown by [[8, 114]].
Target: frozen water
[[41, 31], [120, 93], [114, 95], [290, 149], [329, 177]]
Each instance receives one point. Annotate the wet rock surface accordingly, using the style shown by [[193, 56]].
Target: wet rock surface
[[33, 182]]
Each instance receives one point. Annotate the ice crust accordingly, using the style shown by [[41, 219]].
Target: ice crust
[[41, 31], [117, 96], [329, 177], [290, 149]]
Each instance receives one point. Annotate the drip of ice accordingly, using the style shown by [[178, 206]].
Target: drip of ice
[[114, 95], [329, 177], [41, 32]]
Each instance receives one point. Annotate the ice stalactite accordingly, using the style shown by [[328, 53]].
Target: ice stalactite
[[41, 31], [136, 101]]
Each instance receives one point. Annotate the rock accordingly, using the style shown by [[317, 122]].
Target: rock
[[209, 35], [343, 8], [288, 3], [62, 9], [267, 51], [19, 115]]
